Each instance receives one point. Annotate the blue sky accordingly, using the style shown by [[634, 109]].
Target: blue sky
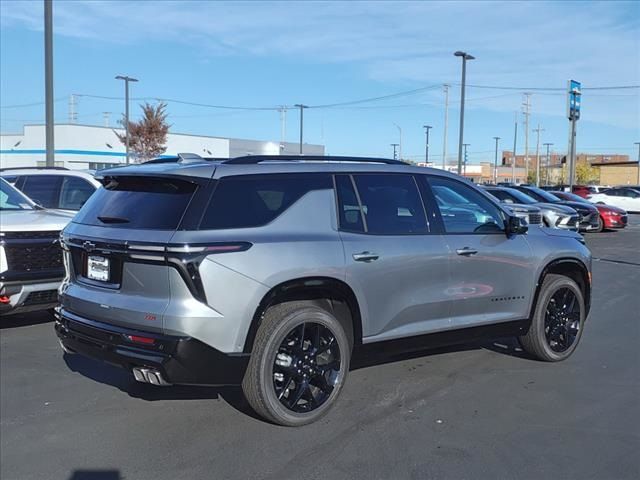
[[265, 54]]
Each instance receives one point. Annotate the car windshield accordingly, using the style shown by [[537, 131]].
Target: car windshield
[[13, 199], [570, 196], [541, 195]]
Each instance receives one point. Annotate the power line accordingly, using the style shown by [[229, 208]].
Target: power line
[[374, 99], [34, 104]]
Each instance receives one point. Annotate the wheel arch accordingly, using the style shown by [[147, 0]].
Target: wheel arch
[[329, 293], [569, 267]]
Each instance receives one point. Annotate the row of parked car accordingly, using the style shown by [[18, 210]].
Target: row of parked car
[[269, 271]]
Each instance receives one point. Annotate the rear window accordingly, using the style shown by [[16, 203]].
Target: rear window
[[253, 200], [138, 202]]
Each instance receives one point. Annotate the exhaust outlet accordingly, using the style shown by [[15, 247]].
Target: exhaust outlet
[[148, 375]]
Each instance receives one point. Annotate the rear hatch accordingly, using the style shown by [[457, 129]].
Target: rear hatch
[[115, 248]]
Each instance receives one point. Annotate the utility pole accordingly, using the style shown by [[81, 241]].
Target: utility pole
[[301, 107], [465, 145], [106, 116], [538, 130], [638, 143], [283, 126], [399, 144], [48, 82], [465, 56], [395, 152], [527, 106], [495, 162], [72, 109], [426, 150], [126, 110], [446, 122], [513, 159], [546, 176]]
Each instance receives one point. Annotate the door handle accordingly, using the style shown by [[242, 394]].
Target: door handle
[[365, 257], [466, 251]]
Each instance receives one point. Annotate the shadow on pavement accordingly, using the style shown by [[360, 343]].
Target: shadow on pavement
[[123, 380], [25, 319]]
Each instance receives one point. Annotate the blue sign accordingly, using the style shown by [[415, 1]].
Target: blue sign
[[573, 99]]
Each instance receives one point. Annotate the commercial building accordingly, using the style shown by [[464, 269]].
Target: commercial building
[[92, 147]]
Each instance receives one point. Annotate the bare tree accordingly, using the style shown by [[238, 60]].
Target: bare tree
[[148, 137]]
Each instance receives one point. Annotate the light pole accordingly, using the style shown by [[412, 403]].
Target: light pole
[[395, 146], [546, 175], [426, 150], [399, 144], [495, 162], [515, 142], [465, 56], [126, 110], [538, 130], [301, 107], [48, 82], [446, 122]]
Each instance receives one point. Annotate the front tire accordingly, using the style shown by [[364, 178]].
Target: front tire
[[298, 365], [600, 225], [558, 320]]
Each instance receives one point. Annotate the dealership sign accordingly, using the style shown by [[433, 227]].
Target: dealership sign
[[573, 100]]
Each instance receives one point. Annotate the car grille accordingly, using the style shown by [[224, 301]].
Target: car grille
[[32, 251], [535, 219], [39, 298]]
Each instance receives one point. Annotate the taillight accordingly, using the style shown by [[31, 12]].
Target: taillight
[[139, 339]]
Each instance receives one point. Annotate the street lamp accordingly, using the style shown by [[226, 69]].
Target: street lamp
[[301, 107], [126, 110], [465, 56], [495, 163], [426, 150]]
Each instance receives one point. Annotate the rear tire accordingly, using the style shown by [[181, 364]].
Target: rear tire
[[298, 365], [558, 320]]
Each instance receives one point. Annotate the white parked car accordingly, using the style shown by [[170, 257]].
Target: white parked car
[[57, 188], [626, 198]]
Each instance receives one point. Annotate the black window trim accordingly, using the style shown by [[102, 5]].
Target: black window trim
[[485, 195], [362, 215]]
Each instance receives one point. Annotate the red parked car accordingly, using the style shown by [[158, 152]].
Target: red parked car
[[610, 216]]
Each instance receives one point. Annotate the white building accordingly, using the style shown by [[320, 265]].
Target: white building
[[91, 147]]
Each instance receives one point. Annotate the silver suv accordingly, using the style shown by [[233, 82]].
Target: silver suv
[[270, 272]]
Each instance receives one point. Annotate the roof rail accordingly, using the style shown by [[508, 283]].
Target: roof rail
[[32, 168], [255, 159]]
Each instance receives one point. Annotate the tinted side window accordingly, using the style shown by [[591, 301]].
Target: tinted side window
[[254, 200], [348, 207], [391, 204], [75, 192], [463, 209], [43, 189]]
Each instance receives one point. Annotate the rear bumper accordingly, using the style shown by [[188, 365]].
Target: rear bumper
[[180, 360]]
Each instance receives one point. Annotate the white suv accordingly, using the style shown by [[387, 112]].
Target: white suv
[[56, 187]]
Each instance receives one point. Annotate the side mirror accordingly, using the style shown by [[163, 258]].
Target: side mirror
[[516, 226]]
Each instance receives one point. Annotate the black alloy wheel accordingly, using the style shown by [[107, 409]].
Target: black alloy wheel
[[562, 320], [306, 367]]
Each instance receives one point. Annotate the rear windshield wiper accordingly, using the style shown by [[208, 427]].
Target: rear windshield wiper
[[113, 219]]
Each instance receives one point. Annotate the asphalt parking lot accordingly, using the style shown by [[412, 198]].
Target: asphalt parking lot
[[473, 411]]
